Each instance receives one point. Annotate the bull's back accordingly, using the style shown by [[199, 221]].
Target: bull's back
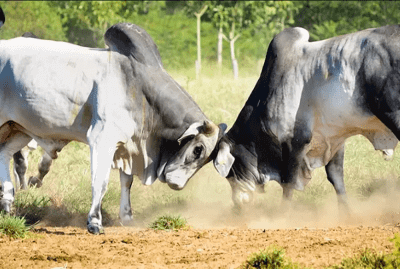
[[46, 86]]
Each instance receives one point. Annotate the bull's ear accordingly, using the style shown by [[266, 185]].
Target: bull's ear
[[193, 130], [224, 160], [223, 127]]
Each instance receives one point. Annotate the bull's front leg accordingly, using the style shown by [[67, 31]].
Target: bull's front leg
[[334, 172], [294, 168], [102, 143], [14, 143], [125, 211]]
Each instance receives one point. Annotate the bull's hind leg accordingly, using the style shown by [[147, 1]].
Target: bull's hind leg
[[125, 211], [44, 168], [20, 168], [334, 172], [13, 143]]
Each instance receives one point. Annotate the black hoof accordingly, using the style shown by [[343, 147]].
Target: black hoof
[[127, 221], [34, 181], [95, 229]]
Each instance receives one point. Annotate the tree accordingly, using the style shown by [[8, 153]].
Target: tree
[[198, 62], [229, 15], [86, 21], [256, 16], [220, 21], [39, 18], [198, 9], [331, 18]]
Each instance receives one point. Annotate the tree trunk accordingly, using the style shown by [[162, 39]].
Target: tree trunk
[[235, 67], [220, 37], [198, 61]]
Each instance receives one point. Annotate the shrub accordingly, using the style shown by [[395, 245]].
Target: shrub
[[12, 226], [271, 258], [32, 205], [169, 222], [367, 259]]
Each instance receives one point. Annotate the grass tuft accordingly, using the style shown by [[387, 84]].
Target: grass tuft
[[14, 227], [271, 258], [169, 222], [33, 206], [366, 259]]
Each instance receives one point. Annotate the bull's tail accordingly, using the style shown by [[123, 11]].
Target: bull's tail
[[2, 17], [133, 41]]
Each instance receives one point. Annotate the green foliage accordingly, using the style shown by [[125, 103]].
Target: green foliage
[[271, 258], [172, 24], [367, 260], [394, 260], [37, 17], [14, 227], [169, 222], [325, 19]]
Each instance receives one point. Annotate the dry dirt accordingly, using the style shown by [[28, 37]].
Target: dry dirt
[[217, 238], [127, 247]]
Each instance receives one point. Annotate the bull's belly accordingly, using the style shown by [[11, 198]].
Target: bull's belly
[[54, 126], [328, 139]]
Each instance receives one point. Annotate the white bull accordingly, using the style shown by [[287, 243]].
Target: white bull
[[120, 101]]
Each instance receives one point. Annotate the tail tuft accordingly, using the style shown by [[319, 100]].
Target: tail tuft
[[2, 17]]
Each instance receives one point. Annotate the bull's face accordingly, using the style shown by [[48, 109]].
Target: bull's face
[[197, 144], [246, 168]]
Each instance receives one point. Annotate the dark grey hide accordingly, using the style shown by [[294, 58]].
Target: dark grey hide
[[309, 98]]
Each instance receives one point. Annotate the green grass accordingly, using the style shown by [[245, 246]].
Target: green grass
[[169, 222], [271, 258], [12, 226], [367, 259]]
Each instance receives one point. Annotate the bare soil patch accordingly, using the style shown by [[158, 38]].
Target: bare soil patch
[[128, 247]]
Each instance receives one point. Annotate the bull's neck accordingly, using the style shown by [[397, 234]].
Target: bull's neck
[[174, 108]]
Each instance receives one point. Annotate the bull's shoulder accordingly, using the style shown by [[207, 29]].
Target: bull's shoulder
[[131, 40]]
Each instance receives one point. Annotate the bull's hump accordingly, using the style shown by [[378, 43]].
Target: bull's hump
[[131, 40], [291, 38]]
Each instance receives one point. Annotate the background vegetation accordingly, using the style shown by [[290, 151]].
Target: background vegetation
[[172, 24]]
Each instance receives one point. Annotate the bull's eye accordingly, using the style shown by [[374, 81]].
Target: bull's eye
[[197, 151]]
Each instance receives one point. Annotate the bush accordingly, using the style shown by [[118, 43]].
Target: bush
[[271, 258], [169, 222], [31, 205], [11, 226], [367, 259]]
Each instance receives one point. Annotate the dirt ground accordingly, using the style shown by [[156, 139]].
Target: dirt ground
[[217, 237], [128, 247]]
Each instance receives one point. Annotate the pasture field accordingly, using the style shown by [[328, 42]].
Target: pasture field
[[219, 237]]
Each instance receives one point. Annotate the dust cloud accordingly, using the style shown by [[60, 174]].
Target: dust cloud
[[211, 210]]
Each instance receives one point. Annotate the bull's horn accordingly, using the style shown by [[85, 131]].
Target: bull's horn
[[209, 127]]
